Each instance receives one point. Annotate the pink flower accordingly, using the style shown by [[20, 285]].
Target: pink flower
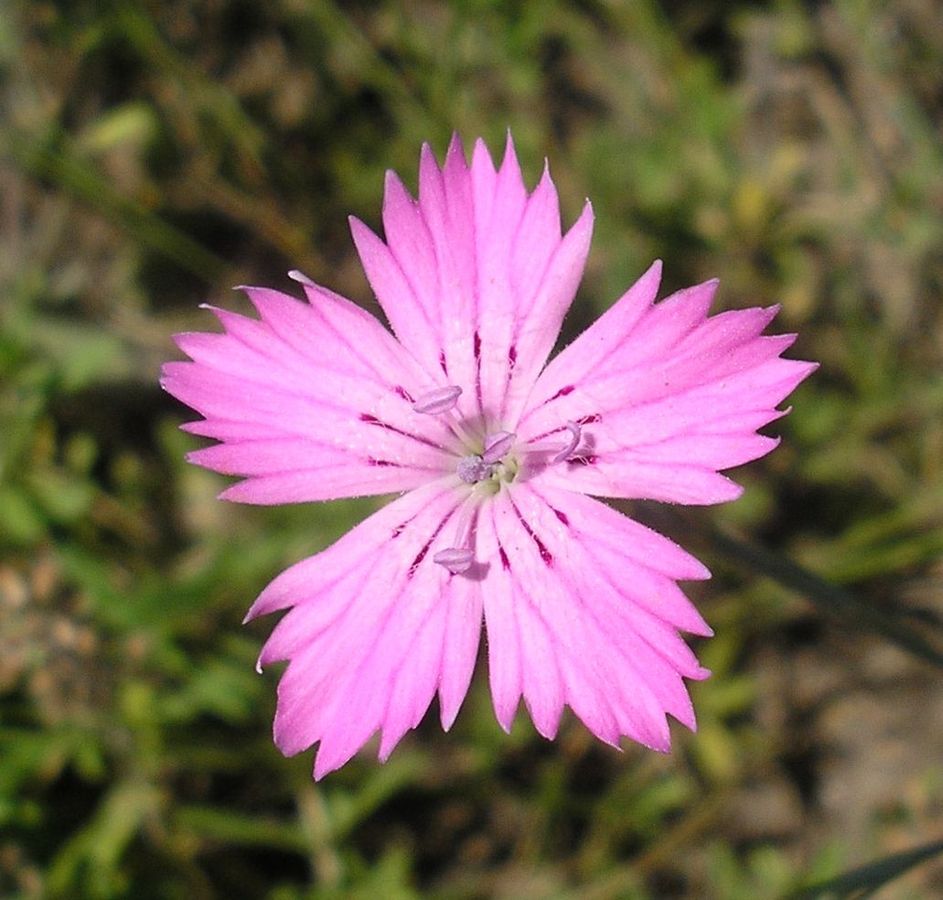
[[496, 455]]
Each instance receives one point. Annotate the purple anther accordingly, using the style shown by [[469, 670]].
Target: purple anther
[[438, 401], [572, 443], [301, 278], [472, 469], [497, 445], [455, 559]]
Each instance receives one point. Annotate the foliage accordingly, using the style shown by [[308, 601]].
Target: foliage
[[152, 154]]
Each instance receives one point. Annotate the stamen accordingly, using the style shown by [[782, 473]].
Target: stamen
[[572, 444], [438, 401], [455, 559], [459, 557], [497, 445], [442, 402]]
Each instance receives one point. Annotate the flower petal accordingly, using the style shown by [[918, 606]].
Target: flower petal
[[536, 330], [581, 608], [445, 199], [310, 403], [666, 397], [375, 628], [475, 277]]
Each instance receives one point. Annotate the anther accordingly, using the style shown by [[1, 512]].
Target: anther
[[497, 445], [572, 443], [438, 401], [455, 559]]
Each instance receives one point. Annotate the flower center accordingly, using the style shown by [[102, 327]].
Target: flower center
[[493, 463], [486, 471]]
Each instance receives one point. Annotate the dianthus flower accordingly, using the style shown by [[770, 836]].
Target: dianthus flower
[[497, 456]]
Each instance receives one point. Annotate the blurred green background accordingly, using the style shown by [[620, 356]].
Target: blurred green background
[[152, 154]]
